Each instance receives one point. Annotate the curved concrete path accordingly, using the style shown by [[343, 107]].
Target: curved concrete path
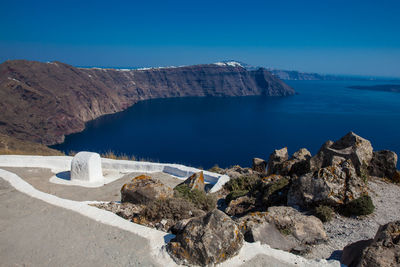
[[34, 233]]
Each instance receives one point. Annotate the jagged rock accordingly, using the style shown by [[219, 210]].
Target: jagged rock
[[283, 228], [125, 210], [195, 181], [333, 185], [164, 214], [259, 165], [276, 159], [237, 171], [86, 166], [383, 250], [306, 229], [274, 189], [144, 189], [240, 206], [396, 177], [349, 147], [210, 239], [351, 254], [298, 164], [383, 164]]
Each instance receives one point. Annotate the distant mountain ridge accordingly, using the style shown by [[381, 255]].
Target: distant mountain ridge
[[43, 102]]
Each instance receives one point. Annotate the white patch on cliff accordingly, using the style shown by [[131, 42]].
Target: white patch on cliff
[[228, 63]]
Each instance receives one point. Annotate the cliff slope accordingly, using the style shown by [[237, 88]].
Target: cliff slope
[[43, 102]]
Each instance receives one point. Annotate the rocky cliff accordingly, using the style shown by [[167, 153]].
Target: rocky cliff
[[43, 102]]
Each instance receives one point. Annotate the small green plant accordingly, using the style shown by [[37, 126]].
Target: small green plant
[[359, 206], [199, 198], [275, 193], [245, 182], [285, 231], [364, 173], [324, 213], [234, 195]]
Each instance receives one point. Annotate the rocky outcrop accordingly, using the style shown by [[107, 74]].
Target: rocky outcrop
[[144, 189], [383, 250], [43, 102], [333, 185], [283, 228], [383, 164], [206, 240], [195, 181], [276, 159], [297, 165], [259, 165], [350, 147]]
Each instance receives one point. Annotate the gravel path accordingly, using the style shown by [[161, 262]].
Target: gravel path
[[39, 178], [34, 233], [343, 231]]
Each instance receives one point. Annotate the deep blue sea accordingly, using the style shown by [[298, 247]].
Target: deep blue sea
[[201, 132]]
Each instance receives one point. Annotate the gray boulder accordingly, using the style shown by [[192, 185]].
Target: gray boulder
[[383, 164], [333, 185], [144, 189], [259, 165], [237, 171], [383, 250], [283, 228], [350, 147], [276, 159], [206, 240]]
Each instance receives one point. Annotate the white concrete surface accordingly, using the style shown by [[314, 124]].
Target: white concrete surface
[[86, 167], [158, 239]]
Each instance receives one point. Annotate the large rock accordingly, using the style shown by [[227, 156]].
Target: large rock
[[350, 147], [276, 159], [333, 185], [306, 229], [383, 164], [195, 181], [237, 171], [165, 214], [383, 250], [259, 165], [86, 167], [240, 206], [144, 189], [283, 228], [206, 240], [297, 165], [351, 254]]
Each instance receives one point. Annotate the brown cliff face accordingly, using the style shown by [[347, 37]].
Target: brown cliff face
[[43, 102]]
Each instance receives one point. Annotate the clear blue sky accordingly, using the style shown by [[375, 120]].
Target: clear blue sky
[[327, 36]]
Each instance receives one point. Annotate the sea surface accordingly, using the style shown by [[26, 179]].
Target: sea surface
[[202, 132]]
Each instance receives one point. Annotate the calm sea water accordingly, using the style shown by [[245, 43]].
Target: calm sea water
[[202, 132]]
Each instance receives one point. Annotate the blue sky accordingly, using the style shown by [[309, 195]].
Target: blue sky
[[339, 37]]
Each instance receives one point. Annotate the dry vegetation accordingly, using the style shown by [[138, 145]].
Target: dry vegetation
[[13, 146]]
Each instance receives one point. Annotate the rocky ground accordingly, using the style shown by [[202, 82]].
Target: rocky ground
[[343, 230]]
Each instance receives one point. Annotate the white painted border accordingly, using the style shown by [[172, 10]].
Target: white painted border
[[157, 239]]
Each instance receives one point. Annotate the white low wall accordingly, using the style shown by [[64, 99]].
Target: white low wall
[[63, 163]]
